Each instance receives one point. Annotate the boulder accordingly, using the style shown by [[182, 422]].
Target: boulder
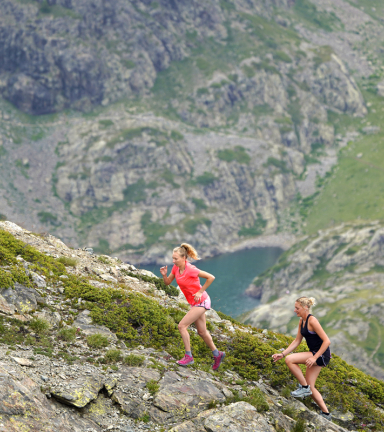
[[84, 323], [24, 407], [81, 391], [186, 397], [237, 417], [19, 298]]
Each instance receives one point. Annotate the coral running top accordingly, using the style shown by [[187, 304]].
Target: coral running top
[[189, 282]]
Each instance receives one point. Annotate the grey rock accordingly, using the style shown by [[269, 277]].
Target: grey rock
[[185, 398], [84, 322], [38, 280], [31, 410], [238, 417], [345, 419], [370, 130], [53, 318], [22, 361], [21, 298], [81, 392]]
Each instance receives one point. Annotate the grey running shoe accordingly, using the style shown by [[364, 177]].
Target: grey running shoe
[[328, 417], [301, 392]]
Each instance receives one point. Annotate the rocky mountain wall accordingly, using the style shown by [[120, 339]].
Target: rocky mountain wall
[[225, 123]]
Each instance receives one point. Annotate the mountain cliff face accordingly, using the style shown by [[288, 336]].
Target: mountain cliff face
[[343, 269], [224, 108], [88, 343]]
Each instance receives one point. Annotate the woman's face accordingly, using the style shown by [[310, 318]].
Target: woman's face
[[177, 259], [299, 310]]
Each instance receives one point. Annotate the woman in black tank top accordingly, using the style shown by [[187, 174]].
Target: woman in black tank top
[[318, 356]]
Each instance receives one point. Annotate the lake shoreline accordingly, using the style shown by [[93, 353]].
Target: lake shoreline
[[282, 241]]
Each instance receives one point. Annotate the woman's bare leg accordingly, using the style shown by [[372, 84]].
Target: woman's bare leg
[[201, 325], [311, 375], [293, 361], [192, 316]]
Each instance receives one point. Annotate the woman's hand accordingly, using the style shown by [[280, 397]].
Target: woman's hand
[[310, 362], [277, 357], [163, 270], [198, 296]]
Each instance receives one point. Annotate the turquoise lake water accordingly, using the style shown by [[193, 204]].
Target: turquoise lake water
[[233, 272]]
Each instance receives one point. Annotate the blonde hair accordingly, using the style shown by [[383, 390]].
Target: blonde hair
[[306, 301], [185, 250]]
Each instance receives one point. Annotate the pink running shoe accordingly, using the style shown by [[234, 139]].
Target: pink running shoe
[[186, 360], [218, 360]]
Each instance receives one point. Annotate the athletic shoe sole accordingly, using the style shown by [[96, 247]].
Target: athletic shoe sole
[[187, 364], [302, 396]]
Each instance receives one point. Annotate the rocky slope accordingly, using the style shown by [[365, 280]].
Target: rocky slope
[[225, 124], [343, 269], [68, 357]]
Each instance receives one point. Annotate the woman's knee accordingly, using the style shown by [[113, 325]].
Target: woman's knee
[[288, 361], [181, 327]]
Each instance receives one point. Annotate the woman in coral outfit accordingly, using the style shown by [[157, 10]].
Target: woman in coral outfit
[[187, 277]]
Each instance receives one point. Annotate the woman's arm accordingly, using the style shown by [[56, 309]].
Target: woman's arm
[[167, 280], [316, 327], [293, 345], [210, 278]]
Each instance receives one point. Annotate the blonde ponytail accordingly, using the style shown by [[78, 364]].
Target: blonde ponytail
[[185, 250], [307, 301]]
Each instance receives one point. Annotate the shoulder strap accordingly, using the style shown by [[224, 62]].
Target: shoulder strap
[[306, 321]]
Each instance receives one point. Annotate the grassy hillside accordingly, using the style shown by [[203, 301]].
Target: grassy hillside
[[354, 189]]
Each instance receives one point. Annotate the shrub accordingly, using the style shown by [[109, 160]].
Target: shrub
[[158, 282], [103, 259], [67, 261], [97, 341], [68, 334], [134, 360], [152, 386], [206, 179], [238, 154], [113, 355], [47, 217], [256, 229], [190, 226], [256, 398], [289, 410], [280, 164], [299, 426], [39, 325]]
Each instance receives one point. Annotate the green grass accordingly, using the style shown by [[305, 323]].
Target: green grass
[[39, 325], [206, 179], [134, 360], [152, 386], [238, 154], [152, 230], [113, 355], [355, 190], [97, 341], [68, 334], [307, 12], [68, 261], [256, 229], [191, 225]]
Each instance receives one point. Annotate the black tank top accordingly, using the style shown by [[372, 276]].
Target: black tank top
[[314, 341]]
